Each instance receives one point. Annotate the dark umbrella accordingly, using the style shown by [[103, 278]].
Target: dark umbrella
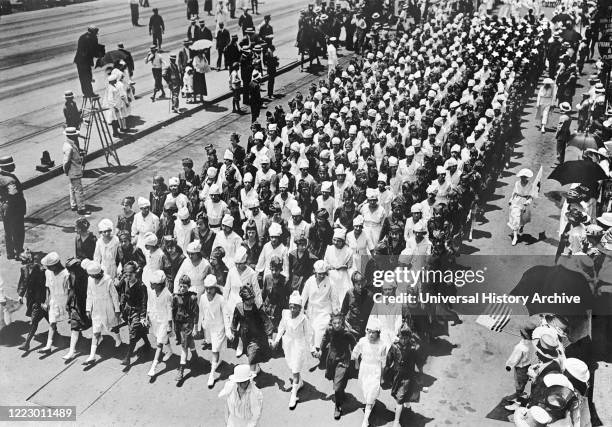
[[111, 57], [550, 281], [561, 17], [581, 171]]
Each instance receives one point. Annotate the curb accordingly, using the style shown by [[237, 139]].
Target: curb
[[58, 170]]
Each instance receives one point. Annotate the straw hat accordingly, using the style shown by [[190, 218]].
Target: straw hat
[[241, 374]]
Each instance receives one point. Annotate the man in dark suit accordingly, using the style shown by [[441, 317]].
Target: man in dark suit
[[205, 34], [266, 29], [193, 8], [156, 28], [245, 21], [255, 95], [87, 49], [184, 58], [12, 208], [172, 76], [232, 51], [193, 32], [223, 40]]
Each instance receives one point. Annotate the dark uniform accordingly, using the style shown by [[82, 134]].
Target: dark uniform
[[246, 72], [87, 49], [72, 114], [232, 52], [156, 28], [271, 63], [133, 304], [255, 99], [223, 41], [12, 211], [32, 287]]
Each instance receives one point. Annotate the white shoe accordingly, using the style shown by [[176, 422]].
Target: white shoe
[[212, 377], [512, 407], [293, 400], [239, 352], [68, 356], [151, 372], [514, 240], [118, 343]]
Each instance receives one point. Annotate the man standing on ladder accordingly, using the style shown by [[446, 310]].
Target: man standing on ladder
[[87, 49], [73, 168]]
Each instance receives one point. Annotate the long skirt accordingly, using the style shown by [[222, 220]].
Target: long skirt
[[369, 380], [296, 354], [405, 387], [199, 84]]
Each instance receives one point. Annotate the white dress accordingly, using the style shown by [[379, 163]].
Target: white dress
[[102, 303], [390, 316], [340, 279], [318, 300], [230, 244], [215, 320], [372, 359], [197, 274], [154, 262], [267, 252], [159, 310], [520, 213], [105, 254], [245, 411], [58, 294], [235, 281], [142, 226], [182, 233], [361, 247], [373, 221], [297, 336]]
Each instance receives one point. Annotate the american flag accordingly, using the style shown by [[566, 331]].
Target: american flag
[[496, 317]]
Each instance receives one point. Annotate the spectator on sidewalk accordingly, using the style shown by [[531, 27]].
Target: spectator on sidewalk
[[255, 95], [193, 31], [223, 41], [193, 9], [129, 61], [205, 34], [157, 63], [12, 208], [73, 168], [200, 67], [134, 12], [245, 21], [232, 52], [71, 111], [172, 75]]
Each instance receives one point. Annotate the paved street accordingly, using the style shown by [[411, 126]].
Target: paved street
[[465, 373]]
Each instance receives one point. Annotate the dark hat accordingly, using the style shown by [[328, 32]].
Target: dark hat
[[186, 42], [153, 47], [120, 45], [201, 21], [322, 214], [173, 56], [6, 161], [267, 17], [187, 162]]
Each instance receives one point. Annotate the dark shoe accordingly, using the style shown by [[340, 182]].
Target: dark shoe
[[74, 208], [126, 361], [152, 99], [25, 346], [83, 212], [337, 413], [179, 373]]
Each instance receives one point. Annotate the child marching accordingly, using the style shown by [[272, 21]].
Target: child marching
[[185, 316]]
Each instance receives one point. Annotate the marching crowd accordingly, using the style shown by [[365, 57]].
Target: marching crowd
[[276, 244]]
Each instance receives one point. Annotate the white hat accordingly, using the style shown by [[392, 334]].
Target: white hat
[[326, 186], [143, 203], [283, 182], [339, 233], [150, 239], [340, 169], [211, 172], [525, 172], [248, 177], [470, 139], [358, 220], [308, 133], [382, 178], [296, 211], [540, 415], [577, 369], [557, 379], [275, 230], [241, 255], [320, 266], [241, 374], [432, 189], [264, 159], [352, 130], [272, 126], [93, 268], [172, 181], [440, 170], [450, 163], [295, 298], [258, 135], [303, 164], [371, 193], [415, 143], [210, 281], [416, 208], [374, 324], [183, 213], [105, 225], [228, 155], [50, 259], [194, 247], [605, 219], [455, 148], [393, 161], [214, 189], [410, 151], [227, 220], [157, 277], [320, 123]]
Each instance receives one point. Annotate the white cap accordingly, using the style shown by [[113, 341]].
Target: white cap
[[143, 203], [295, 298], [320, 266], [228, 155], [104, 225], [326, 186], [296, 211], [150, 239], [275, 230], [183, 213], [227, 220]]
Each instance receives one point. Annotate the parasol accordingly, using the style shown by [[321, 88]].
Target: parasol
[[582, 171], [554, 281], [201, 44], [111, 57]]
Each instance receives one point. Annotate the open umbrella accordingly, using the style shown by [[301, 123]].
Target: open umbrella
[[111, 57], [582, 171], [554, 281], [201, 44]]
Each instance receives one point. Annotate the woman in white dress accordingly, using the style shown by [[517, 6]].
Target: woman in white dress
[[159, 317], [244, 401], [545, 102], [57, 284], [183, 227], [519, 203], [339, 259], [145, 221], [317, 297], [238, 276], [194, 266], [215, 321], [102, 306], [294, 328], [106, 249], [373, 215], [388, 314], [154, 258], [360, 244], [373, 352]]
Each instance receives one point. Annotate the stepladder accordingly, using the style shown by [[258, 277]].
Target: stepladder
[[92, 113]]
